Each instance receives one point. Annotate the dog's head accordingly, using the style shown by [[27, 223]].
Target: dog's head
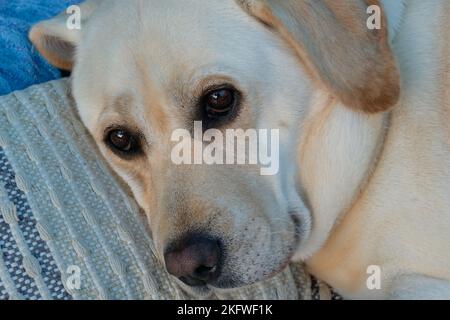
[[143, 69]]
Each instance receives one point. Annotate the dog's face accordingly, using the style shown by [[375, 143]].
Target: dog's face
[[144, 69]]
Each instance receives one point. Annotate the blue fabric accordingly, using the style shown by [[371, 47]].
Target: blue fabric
[[20, 64], [11, 255]]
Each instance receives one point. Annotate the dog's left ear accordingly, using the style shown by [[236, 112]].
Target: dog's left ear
[[336, 47], [56, 41]]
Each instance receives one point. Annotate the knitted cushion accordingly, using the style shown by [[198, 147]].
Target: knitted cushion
[[63, 213]]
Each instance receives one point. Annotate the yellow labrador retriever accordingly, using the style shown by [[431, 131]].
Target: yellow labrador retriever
[[363, 114]]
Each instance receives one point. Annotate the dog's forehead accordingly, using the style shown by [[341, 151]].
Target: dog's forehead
[[165, 43], [174, 37]]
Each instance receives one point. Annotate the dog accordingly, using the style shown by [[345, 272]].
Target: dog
[[363, 113]]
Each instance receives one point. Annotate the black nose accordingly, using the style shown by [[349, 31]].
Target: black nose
[[195, 260]]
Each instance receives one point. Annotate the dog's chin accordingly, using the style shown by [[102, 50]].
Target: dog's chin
[[227, 286], [222, 286], [200, 292], [230, 283]]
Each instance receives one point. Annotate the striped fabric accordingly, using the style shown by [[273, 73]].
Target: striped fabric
[[24, 236], [64, 214]]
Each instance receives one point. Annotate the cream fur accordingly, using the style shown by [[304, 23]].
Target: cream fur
[[369, 188], [401, 219]]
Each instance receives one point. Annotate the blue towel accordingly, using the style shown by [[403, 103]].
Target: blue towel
[[20, 63]]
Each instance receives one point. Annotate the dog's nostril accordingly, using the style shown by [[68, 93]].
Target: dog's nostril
[[204, 272], [195, 260]]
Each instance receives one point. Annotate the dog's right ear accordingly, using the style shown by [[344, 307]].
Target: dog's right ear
[[56, 41], [333, 42]]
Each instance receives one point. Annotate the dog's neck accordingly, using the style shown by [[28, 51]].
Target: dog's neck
[[338, 151], [394, 10]]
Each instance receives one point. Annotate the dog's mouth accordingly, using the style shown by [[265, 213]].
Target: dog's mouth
[[205, 291], [299, 228], [201, 291], [224, 284], [230, 282]]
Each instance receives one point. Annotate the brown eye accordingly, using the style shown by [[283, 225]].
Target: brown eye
[[123, 141], [220, 103]]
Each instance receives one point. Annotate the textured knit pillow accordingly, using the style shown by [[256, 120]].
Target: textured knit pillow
[[20, 63], [64, 214]]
